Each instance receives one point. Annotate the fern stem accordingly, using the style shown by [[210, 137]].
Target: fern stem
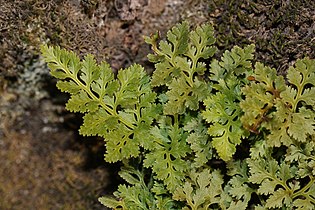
[[302, 192], [176, 121], [298, 95]]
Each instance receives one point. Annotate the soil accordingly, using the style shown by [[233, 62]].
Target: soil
[[44, 162]]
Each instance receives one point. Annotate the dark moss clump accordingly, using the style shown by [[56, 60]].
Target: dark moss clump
[[282, 30], [21, 31]]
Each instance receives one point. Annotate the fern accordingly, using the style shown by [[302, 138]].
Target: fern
[[200, 132], [166, 157], [178, 66], [117, 109], [201, 191], [199, 142], [222, 108], [280, 181], [281, 108], [239, 186]]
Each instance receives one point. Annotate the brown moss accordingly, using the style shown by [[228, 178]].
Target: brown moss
[[40, 172], [283, 31]]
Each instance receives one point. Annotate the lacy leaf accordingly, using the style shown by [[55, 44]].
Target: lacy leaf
[[178, 66], [167, 155], [201, 191], [117, 109]]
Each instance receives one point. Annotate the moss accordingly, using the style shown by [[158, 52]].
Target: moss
[[41, 181], [280, 30]]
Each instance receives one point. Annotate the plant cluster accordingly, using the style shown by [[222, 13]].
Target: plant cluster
[[199, 133]]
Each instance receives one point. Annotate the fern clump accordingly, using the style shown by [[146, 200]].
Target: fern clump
[[199, 133]]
